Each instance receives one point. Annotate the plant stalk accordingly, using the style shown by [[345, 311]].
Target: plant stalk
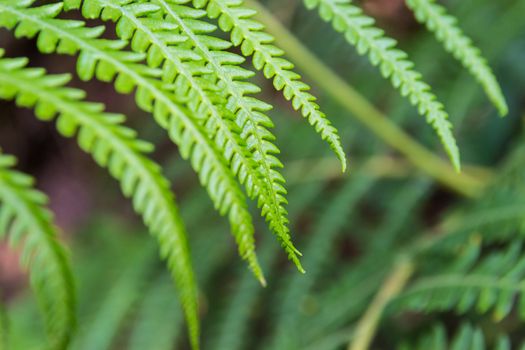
[[367, 325]]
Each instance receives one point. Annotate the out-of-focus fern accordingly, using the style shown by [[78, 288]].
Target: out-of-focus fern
[[483, 284], [158, 318], [232, 324], [319, 249], [112, 311], [28, 225], [444, 26], [467, 337]]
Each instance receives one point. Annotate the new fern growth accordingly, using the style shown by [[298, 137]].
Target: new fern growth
[[199, 92]]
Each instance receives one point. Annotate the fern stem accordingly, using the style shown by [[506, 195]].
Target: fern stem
[[365, 112], [366, 328]]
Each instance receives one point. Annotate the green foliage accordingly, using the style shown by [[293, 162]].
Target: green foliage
[[28, 225], [194, 81], [215, 121]]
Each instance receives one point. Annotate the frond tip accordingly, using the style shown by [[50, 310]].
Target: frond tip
[[27, 222], [445, 28], [360, 31]]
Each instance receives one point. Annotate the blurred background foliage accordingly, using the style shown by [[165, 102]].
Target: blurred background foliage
[[351, 228]]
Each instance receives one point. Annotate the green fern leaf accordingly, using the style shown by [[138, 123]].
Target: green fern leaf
[[155, 37], [103, 59], [249, 113], [115, 147], [249, 35], [359, 30], [26, 221], [456, 42]]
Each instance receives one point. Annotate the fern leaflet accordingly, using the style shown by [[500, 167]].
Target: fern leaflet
[[467, 337], [456, 42]]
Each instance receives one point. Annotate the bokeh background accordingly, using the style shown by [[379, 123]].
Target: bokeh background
[[347, 226]]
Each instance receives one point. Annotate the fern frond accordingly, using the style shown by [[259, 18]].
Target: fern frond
[[249, 35], [360, 31], [192, 84], [104, 60], [115, 147], [446, 30], [28, 224], [249, 113], [467, 337], [491, 283]]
